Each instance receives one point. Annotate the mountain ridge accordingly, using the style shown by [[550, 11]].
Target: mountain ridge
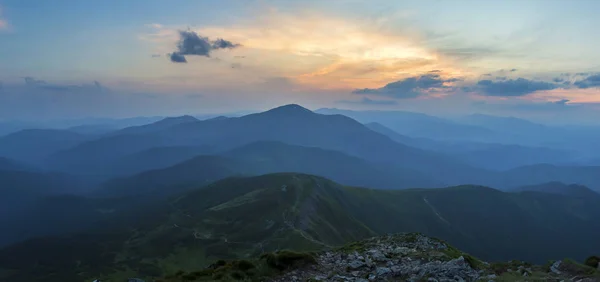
[[241, 217]]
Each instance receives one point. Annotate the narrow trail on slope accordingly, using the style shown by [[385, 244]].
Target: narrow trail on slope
[[435, 211]]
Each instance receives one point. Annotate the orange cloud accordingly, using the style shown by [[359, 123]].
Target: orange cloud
[[574, 95], [321, 51]]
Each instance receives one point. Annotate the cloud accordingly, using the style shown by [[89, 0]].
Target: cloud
[[223, 44], [511, 87], [191, 43], [407, 88], [513, 70], [41, 84], [562, 102], [467, 53], [177, 58], [3, 23], [589, 82], [194, 96], [371, 102]]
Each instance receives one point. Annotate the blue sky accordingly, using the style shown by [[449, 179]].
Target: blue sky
[[444, 56]]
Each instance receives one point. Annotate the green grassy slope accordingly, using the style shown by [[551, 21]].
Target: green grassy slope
[[243, 217]]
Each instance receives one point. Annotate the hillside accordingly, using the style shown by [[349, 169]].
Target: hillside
[[243, 217], [265, 157], [19, 192], [492, 156], [156, 126], [417, 124], [155, 158], [289, 124], [396, 257], [559, 189], [12, 165], [588, 176], [34, 145]]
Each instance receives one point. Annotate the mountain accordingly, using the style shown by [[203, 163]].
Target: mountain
[[507, 125], [395, 257], [158, 183], [158, 125], [504, 157], [484, 155], [289, 124], [244, 217], [380, 128], [295, 125], [417, 124], [11, 165], [93, 129], [265, 157], [588, 176], [155, 158], [34, 145], [95, 155], [21, 189], [269, 157], [560, 189]]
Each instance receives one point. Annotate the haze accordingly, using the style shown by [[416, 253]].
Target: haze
[[288, 140]]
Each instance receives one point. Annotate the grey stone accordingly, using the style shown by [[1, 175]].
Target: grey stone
[[356, 264], [555, 266], [381, 271]]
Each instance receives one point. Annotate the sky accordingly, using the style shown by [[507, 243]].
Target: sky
[[113, 58]]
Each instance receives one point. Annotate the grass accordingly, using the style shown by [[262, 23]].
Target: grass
[[268, 265]]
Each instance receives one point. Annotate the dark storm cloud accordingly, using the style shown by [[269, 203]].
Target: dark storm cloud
[[407, 88], [511, 87], [192, 44]]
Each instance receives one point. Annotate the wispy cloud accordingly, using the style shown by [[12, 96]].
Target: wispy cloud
[[96, 87], [3, 22], [370, 102], [511, 87], [411, 87], [590, 81]]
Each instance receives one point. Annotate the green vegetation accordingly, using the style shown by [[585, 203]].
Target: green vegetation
[[593, 261], [571, 266], [268, 265], [242, 218]]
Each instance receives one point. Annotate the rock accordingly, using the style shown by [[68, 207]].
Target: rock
[[555, 266], [382, 271], [356, 264], [377, 256]]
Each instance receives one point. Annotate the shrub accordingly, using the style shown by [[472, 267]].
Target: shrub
[[592, 261], [287, 259]]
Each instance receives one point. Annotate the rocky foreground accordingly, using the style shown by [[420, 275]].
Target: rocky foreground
[[402, 257], [414, 257]]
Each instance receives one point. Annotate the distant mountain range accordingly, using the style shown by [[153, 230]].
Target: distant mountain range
[[168, 194], [241, 217], [492, 156]]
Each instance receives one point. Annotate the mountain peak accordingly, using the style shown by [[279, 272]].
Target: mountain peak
[[179, 119], [290, 109]]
